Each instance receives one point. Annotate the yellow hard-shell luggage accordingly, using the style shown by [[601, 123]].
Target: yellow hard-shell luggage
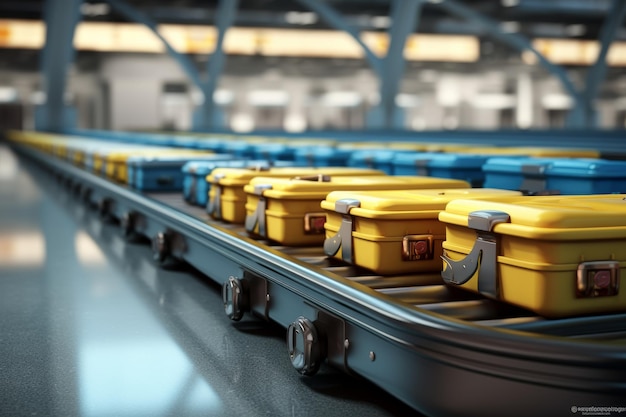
[[555, 255], [392, 232], [289, 212], [227, 198]]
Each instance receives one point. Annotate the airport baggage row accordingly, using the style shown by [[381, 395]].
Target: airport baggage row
[[463, 279]]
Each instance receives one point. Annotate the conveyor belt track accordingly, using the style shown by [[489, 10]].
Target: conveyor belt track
[[441, 350]]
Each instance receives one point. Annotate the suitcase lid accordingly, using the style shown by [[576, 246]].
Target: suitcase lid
[[169, 160], [440, 160], [571, 217], [457, 161], [294, 188], [272, 150], [405, 203], [378, 155], [517, 165], [323, 152], [556, 152], [242, 176], [205, 167], [588, 168]]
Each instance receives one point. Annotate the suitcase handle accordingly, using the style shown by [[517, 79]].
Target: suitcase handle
[[315, 178], [482, 257], [163, 180]]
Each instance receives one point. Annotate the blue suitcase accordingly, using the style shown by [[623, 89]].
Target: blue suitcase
[[163, 173], [459, 166], [195, 186], [273, 151], [586, 176], [322, 156], [374, 159], [524, 174]]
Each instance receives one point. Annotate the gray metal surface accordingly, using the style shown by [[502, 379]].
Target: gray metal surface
[[90, 326]]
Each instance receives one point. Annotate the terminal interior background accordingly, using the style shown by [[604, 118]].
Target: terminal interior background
[[286, 69]]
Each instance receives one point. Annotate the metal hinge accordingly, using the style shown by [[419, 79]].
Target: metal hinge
[[259, 215], [214, 208], [482, 257], [343, 238]]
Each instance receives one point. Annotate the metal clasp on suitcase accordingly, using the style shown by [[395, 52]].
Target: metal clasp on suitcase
[[193, 188], [214, 207], [597, 279], [417, 247], [482, 257], [258, 217], [343, 238], [421, 167], [315, 178], [314, 223], [259, 168]]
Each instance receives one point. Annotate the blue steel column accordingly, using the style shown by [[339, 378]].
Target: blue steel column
[[515, 40], [334, 19], [61, 18], [225, 17], [135, 15], [404, 17], [583, 114]]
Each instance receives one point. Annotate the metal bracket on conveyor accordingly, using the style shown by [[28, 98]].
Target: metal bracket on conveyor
[[214, 208], [482, 257], [421, 167], [258, 217], [343, 238], [533, 182]]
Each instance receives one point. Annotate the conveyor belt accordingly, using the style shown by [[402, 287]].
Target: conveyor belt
[[441, 350]]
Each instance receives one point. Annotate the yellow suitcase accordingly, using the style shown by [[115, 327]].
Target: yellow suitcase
[[227, 198], [392, 232], [288, 211], [556, 255]]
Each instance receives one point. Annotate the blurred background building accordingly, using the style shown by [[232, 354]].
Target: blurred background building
[[288, 67]]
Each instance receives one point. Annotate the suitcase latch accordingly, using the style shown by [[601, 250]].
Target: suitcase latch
[[597, 279], [259, 168], [314, 178], [258, 217], [314, 223], [417, 247], [214, 208], [343, 238], [533, 182], [193, 187], [421, 166], [482, 257]]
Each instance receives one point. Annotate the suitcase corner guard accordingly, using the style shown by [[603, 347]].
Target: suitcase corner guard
[[343, 238], [483, 254]]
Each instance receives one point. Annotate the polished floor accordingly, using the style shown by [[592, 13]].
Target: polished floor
[[89, 326]]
